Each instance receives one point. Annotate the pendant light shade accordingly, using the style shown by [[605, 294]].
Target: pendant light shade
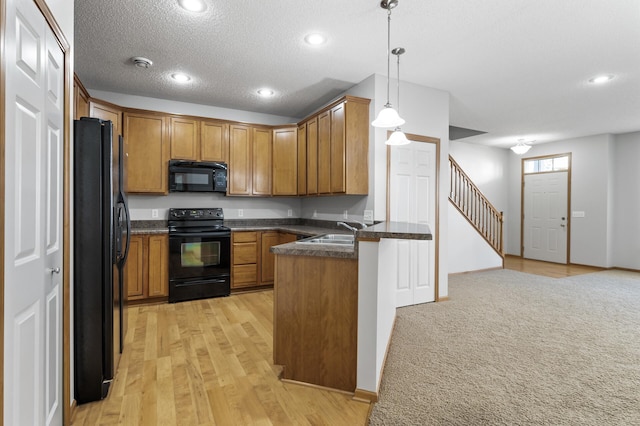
[[388, 117], [398, 138], [521, 147]]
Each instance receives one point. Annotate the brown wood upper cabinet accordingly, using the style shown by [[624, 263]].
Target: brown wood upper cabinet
[[285, 161], [199, 140], [107, 111], [250, 160], [80, 99], [337, 148], [146, 152]]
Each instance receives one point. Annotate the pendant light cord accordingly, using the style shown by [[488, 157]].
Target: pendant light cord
[[388, 53], [398, 100]]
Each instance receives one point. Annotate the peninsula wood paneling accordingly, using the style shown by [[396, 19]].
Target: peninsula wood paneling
[[315, 320]]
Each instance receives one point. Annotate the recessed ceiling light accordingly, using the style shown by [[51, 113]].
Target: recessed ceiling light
[[180, 77], [599, 79], [193, 5], [315, 39], [265, 93]]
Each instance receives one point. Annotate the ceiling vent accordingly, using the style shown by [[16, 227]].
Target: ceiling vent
[[141, 62]]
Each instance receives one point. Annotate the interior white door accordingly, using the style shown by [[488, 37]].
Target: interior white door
[[545, 216], [33, 226], [412, 199]]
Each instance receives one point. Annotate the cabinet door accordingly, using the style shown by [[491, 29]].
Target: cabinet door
[[107, 112], [134, 268], [239, 174], [262, 162], [312, 156], [184, 139], [81, 100], [302, 160], [147, 153], [214, 140], [286, 237], [267, 259], [158, 266], [324, 153], [338, 160], [285, 162]]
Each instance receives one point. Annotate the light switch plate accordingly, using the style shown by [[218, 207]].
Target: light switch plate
[[577, 214], [315, 213], [240, 213], [345, 215], [154, 213], [368, 217], [289, 213]]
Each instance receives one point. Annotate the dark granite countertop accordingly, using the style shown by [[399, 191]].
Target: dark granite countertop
[[400, 230]]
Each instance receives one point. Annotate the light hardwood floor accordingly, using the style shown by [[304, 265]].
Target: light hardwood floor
[[210, 362], [548, 269]]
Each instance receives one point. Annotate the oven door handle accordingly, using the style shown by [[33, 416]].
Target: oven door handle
[[199, 234]]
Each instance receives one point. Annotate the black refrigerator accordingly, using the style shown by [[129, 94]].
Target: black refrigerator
[[101, 236]]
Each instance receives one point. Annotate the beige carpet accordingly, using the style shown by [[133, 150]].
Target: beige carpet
[[511, 348]]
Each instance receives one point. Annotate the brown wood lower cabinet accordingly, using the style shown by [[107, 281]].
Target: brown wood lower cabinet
[[315, 320], [147, 267], [251, 257]]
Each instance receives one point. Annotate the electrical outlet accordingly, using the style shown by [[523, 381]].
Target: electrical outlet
[[345, 215], [240, 213], [368, 217], [315, 213], [154, 213], [289, 213]]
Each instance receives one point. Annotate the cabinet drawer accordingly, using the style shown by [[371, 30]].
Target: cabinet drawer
[[245, 275], [244, 253], [244, 237]]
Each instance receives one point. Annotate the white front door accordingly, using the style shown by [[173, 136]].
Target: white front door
[[546, 216], [33, 219], [412, 199]]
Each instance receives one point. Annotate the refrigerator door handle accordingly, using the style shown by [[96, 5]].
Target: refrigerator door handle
[[126, 249]]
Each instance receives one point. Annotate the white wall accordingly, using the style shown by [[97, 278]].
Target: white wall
[[626, 201], [591, 171], [487, 168]]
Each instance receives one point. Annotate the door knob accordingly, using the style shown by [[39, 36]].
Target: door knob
[[562, 225], [53, 270]]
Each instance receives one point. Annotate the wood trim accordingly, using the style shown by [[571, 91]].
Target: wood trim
[[522, 175], [345, 99], [314, 386], [436, 141], [3, 67], [365, 396], [497, 268], [81, 87]]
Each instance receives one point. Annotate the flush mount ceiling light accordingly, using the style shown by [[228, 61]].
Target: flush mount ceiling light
[[398, 137], [265, 93], [193, 5], [521, 147], [388, 117], [601, 79], [141, 62], [315, 39], [180, 77]]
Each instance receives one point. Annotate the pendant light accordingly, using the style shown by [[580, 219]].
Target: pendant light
[[521, 147], [398, 137], [388, 117]]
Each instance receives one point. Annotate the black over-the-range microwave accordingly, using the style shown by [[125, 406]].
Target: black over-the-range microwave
[[197, 176]]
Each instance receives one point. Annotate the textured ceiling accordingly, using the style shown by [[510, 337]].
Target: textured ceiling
[[514, 68]]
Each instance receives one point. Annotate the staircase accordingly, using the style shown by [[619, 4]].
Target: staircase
[[475, 207]]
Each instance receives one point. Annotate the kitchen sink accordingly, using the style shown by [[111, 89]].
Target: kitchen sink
[[341, 239]]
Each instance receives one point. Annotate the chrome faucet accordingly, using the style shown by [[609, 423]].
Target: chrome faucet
[[362, 224], [349, 227]]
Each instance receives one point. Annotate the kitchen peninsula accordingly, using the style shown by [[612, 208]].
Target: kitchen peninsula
[[334, 308]]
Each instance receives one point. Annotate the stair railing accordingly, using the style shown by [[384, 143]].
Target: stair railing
[[476, 208]]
